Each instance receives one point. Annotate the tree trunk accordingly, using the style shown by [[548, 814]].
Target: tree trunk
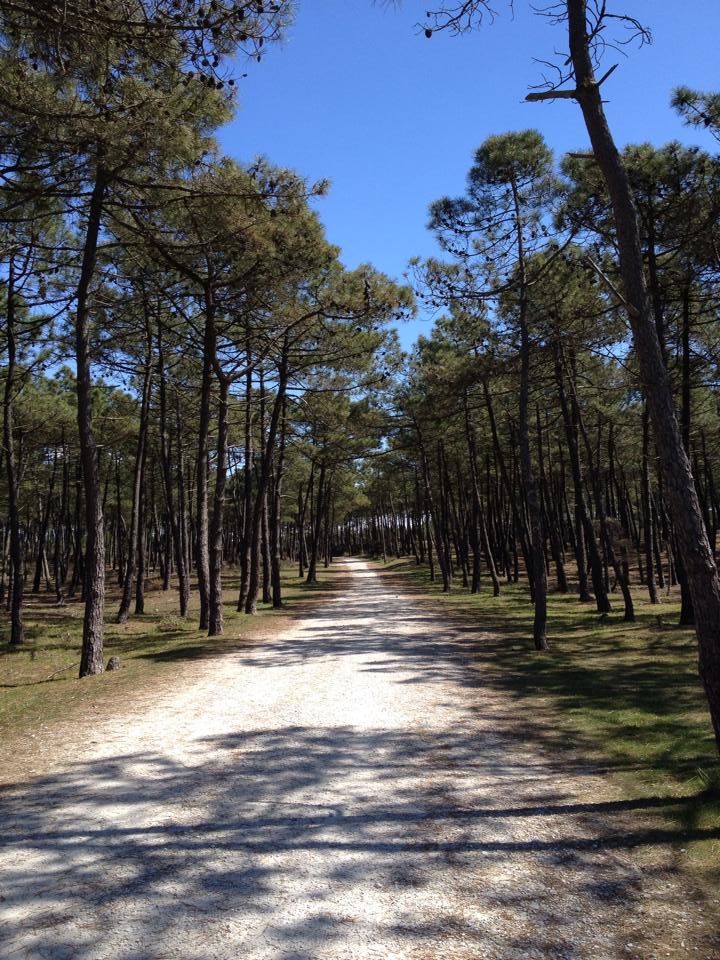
[[477, 501], [17, 629], [261, 493], [202, 546], [173, 527], [41, 559], [246, 545], [276, 514], [215, 598], [91, 659], [679, 485], [536, 553], [138, 478], [585, 533], [316, 525]]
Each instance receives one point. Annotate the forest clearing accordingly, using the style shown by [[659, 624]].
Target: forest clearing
[[359, 480]]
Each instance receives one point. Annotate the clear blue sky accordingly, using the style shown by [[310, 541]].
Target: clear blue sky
[[357, 94]]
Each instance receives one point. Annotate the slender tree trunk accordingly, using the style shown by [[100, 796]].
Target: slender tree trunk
[[41, 559], [174, 517], [443, 559], [267, 454], [585, 532], [276, 513], [246, 545], [17, 628], [265, 519], [537, 558], [618, 568], [202, 546], [141, 543], [215, 605], [477, 501], [61, 532], [138, 478], [647, 511], [316, 526], [302, 512], [506, 481], [91, 659], [556, 546]]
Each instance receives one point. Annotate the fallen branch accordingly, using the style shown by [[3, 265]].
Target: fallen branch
[[61, 670]]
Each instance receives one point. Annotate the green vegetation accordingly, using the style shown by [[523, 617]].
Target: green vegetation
[[625, 696], [193, 382], [39, 681]]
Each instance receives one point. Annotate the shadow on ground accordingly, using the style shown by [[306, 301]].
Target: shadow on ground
[[282, 841]]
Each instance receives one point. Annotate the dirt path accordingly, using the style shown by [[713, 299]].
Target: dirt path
[[348, 790]]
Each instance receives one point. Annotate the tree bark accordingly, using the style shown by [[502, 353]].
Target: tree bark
[[138, 479], [537, 558], [174, 514], [17, 628], [477, 501], [202, 546], [276, 513], [91, 659], [215, 604], [261, 493]]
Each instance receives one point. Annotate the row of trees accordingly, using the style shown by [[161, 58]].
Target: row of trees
[[523, 444], [233, 342], [591, 30], [204, 292]]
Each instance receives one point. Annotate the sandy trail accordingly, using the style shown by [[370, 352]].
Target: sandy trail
[[347, 790]]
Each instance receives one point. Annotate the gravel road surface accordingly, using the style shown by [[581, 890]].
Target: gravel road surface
[[350, 789]]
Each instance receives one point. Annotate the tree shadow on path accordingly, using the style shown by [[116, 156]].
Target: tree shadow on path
[[300, 842]]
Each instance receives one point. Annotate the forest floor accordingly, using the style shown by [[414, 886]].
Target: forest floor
[[357, 784], [41, 699], [625, 696]]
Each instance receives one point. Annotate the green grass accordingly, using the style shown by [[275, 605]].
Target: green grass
[[38, 681], [626, 696]]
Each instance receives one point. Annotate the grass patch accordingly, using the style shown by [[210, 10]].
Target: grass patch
[[624, 695], [39, 685]]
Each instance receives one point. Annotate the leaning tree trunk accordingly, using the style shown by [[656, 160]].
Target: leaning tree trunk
[[679, 485]]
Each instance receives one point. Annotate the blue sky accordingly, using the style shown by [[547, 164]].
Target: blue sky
[[357, 94]]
